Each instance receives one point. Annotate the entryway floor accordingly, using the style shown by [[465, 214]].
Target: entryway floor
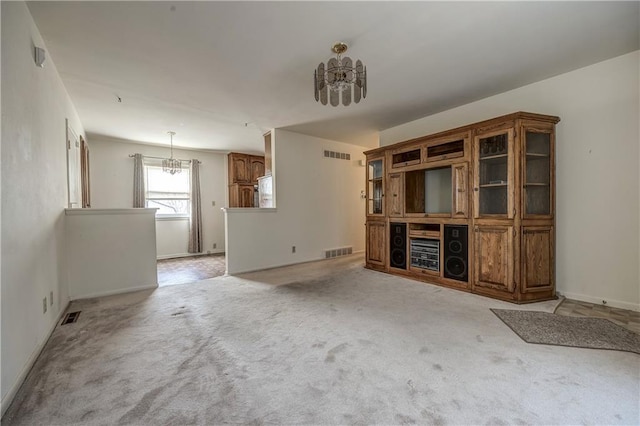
[[183, 270], [575, 308]]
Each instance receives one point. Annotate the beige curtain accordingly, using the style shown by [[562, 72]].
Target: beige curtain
[[195, 230], [138, 181]]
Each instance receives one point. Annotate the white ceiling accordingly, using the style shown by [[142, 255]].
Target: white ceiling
[[221, 74]]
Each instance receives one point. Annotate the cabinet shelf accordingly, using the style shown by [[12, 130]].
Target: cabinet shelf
[[494, 185], [493, 157], [536, 184], [534, 155]]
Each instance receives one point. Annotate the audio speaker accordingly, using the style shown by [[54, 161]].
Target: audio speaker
[[398, 245], [456, 252]]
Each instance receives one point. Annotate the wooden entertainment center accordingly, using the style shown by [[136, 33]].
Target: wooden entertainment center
[[472, 208]]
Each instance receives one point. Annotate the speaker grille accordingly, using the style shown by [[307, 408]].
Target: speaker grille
[[398, 248], [456, 252]]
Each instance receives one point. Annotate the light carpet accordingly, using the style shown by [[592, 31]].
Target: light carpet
[[343, 346], [550, 329]]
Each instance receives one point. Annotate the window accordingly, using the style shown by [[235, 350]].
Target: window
[[168, 193]]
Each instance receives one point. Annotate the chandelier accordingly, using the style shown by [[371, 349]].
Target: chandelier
[[171, 165], [338, 79]]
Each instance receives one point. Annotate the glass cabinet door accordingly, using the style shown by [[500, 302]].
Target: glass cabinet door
[[537, 174], [375, 186], [494, 175]]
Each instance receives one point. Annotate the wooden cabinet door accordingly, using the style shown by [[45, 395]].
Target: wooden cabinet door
[[238, 168], [257, 168], [460, 186], [376, 243], [246, 195], [537, 258], [494, 175], [494, 257], [395, 196], [375, 186]]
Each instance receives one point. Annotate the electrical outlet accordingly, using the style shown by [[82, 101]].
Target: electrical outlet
[[293, 249], [44, 305], [51, 298], [215, 245]]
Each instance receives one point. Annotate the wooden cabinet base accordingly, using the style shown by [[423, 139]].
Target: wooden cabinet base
[[466, 287]]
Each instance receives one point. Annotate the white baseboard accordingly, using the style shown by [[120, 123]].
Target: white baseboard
[[598, 301], [114, 292], [7, 399]]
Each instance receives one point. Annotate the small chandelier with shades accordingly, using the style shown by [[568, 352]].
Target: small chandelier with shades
[[171, 165], [340, 80]]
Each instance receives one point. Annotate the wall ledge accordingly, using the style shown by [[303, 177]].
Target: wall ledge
[[88, 212], [248, 210]]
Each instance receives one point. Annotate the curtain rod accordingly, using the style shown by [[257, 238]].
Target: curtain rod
[[163, 158]]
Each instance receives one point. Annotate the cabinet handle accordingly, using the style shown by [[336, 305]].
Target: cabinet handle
[[395, 195], [475, 189]]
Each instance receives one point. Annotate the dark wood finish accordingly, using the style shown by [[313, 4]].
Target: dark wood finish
[[414, 193], [504, 194]]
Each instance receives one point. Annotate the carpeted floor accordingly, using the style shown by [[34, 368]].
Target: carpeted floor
[[551, 329], [342, 345]]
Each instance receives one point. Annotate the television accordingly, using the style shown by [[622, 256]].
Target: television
[[428, 191]]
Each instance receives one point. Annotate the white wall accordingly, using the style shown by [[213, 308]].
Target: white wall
[[318, 207], [110, 251], [35, 105], [598, 162], [112, 187]]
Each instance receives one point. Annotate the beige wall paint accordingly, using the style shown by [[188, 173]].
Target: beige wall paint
[[35, 105], [112, 187], [318, 207], [598, 182]]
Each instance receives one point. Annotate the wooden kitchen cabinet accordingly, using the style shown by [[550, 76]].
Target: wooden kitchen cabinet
[[244, 171]]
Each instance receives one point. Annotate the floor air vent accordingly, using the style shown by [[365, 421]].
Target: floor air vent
[[70, 318], [328, 254]]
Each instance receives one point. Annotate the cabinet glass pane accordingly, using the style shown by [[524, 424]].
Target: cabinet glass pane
[[538, 174], [374, 180], [494, 154]]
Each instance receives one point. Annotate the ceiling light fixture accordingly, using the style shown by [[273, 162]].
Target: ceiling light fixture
[[340, 76], [171, 165]]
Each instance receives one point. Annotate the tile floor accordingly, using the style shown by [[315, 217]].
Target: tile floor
[[623, 317], [190, 269], [184, 270]]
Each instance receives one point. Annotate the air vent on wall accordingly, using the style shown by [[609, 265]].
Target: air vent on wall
[[337, 252], [337, 155]]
